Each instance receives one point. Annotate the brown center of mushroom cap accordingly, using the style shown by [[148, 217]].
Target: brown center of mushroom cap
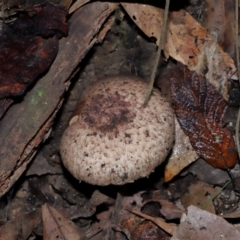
[[112, 138], [107, 112]]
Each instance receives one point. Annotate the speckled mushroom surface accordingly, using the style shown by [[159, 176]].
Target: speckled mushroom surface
[[112, 138]]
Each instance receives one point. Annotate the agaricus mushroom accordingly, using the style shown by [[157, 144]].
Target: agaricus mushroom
[[112, 138]]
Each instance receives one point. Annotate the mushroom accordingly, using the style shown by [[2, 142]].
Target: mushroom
[[112, 138]]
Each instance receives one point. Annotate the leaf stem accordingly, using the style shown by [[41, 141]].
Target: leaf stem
[[160, 46]]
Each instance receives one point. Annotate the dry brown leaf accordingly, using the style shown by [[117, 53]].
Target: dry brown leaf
[[20, 227], [103, 224], [138, 228], [170, 210], [199, 224], [66, 3], [182, 155], [56, 226], [188, 42], [235, 214], [148, 18], [169, 228], [41, 166], [215, 176], [77, 5], [200, 195], [99, 198]]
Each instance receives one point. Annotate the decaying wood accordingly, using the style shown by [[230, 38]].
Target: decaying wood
[[24, 126]]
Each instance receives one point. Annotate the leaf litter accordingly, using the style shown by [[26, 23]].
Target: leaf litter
[[148, 208]]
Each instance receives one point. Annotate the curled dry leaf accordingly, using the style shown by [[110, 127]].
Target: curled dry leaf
[[200, 109], [182, 155]]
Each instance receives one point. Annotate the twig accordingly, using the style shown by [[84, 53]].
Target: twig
[[236, 37], [160, 46], [238, 71]]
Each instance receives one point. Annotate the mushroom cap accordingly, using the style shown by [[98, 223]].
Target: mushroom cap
[[112, 138]]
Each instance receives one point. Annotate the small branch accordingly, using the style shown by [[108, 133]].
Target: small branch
[[238, 71], [162, 38]]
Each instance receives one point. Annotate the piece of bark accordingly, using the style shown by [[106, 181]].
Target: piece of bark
[[220, 24], [28, 46], [24, 126]]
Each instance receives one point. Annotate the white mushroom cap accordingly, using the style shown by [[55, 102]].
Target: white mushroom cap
[[112, 138]]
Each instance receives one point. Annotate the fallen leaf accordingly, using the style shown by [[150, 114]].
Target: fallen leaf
[[199, 224], [42, 166], [66, 3], [235, 214], [169, 210], [199, 195], [182, 154], [56, 226], [77, 4], [169, 228], [200, 109], [98, 198], [21, 226], [214, 176], [148, 18]]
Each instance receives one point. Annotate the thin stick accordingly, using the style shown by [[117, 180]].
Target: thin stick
[[236, 37], [161, 41], [238, 70]]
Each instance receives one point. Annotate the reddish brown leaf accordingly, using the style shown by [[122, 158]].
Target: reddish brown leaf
[[200, 109]]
